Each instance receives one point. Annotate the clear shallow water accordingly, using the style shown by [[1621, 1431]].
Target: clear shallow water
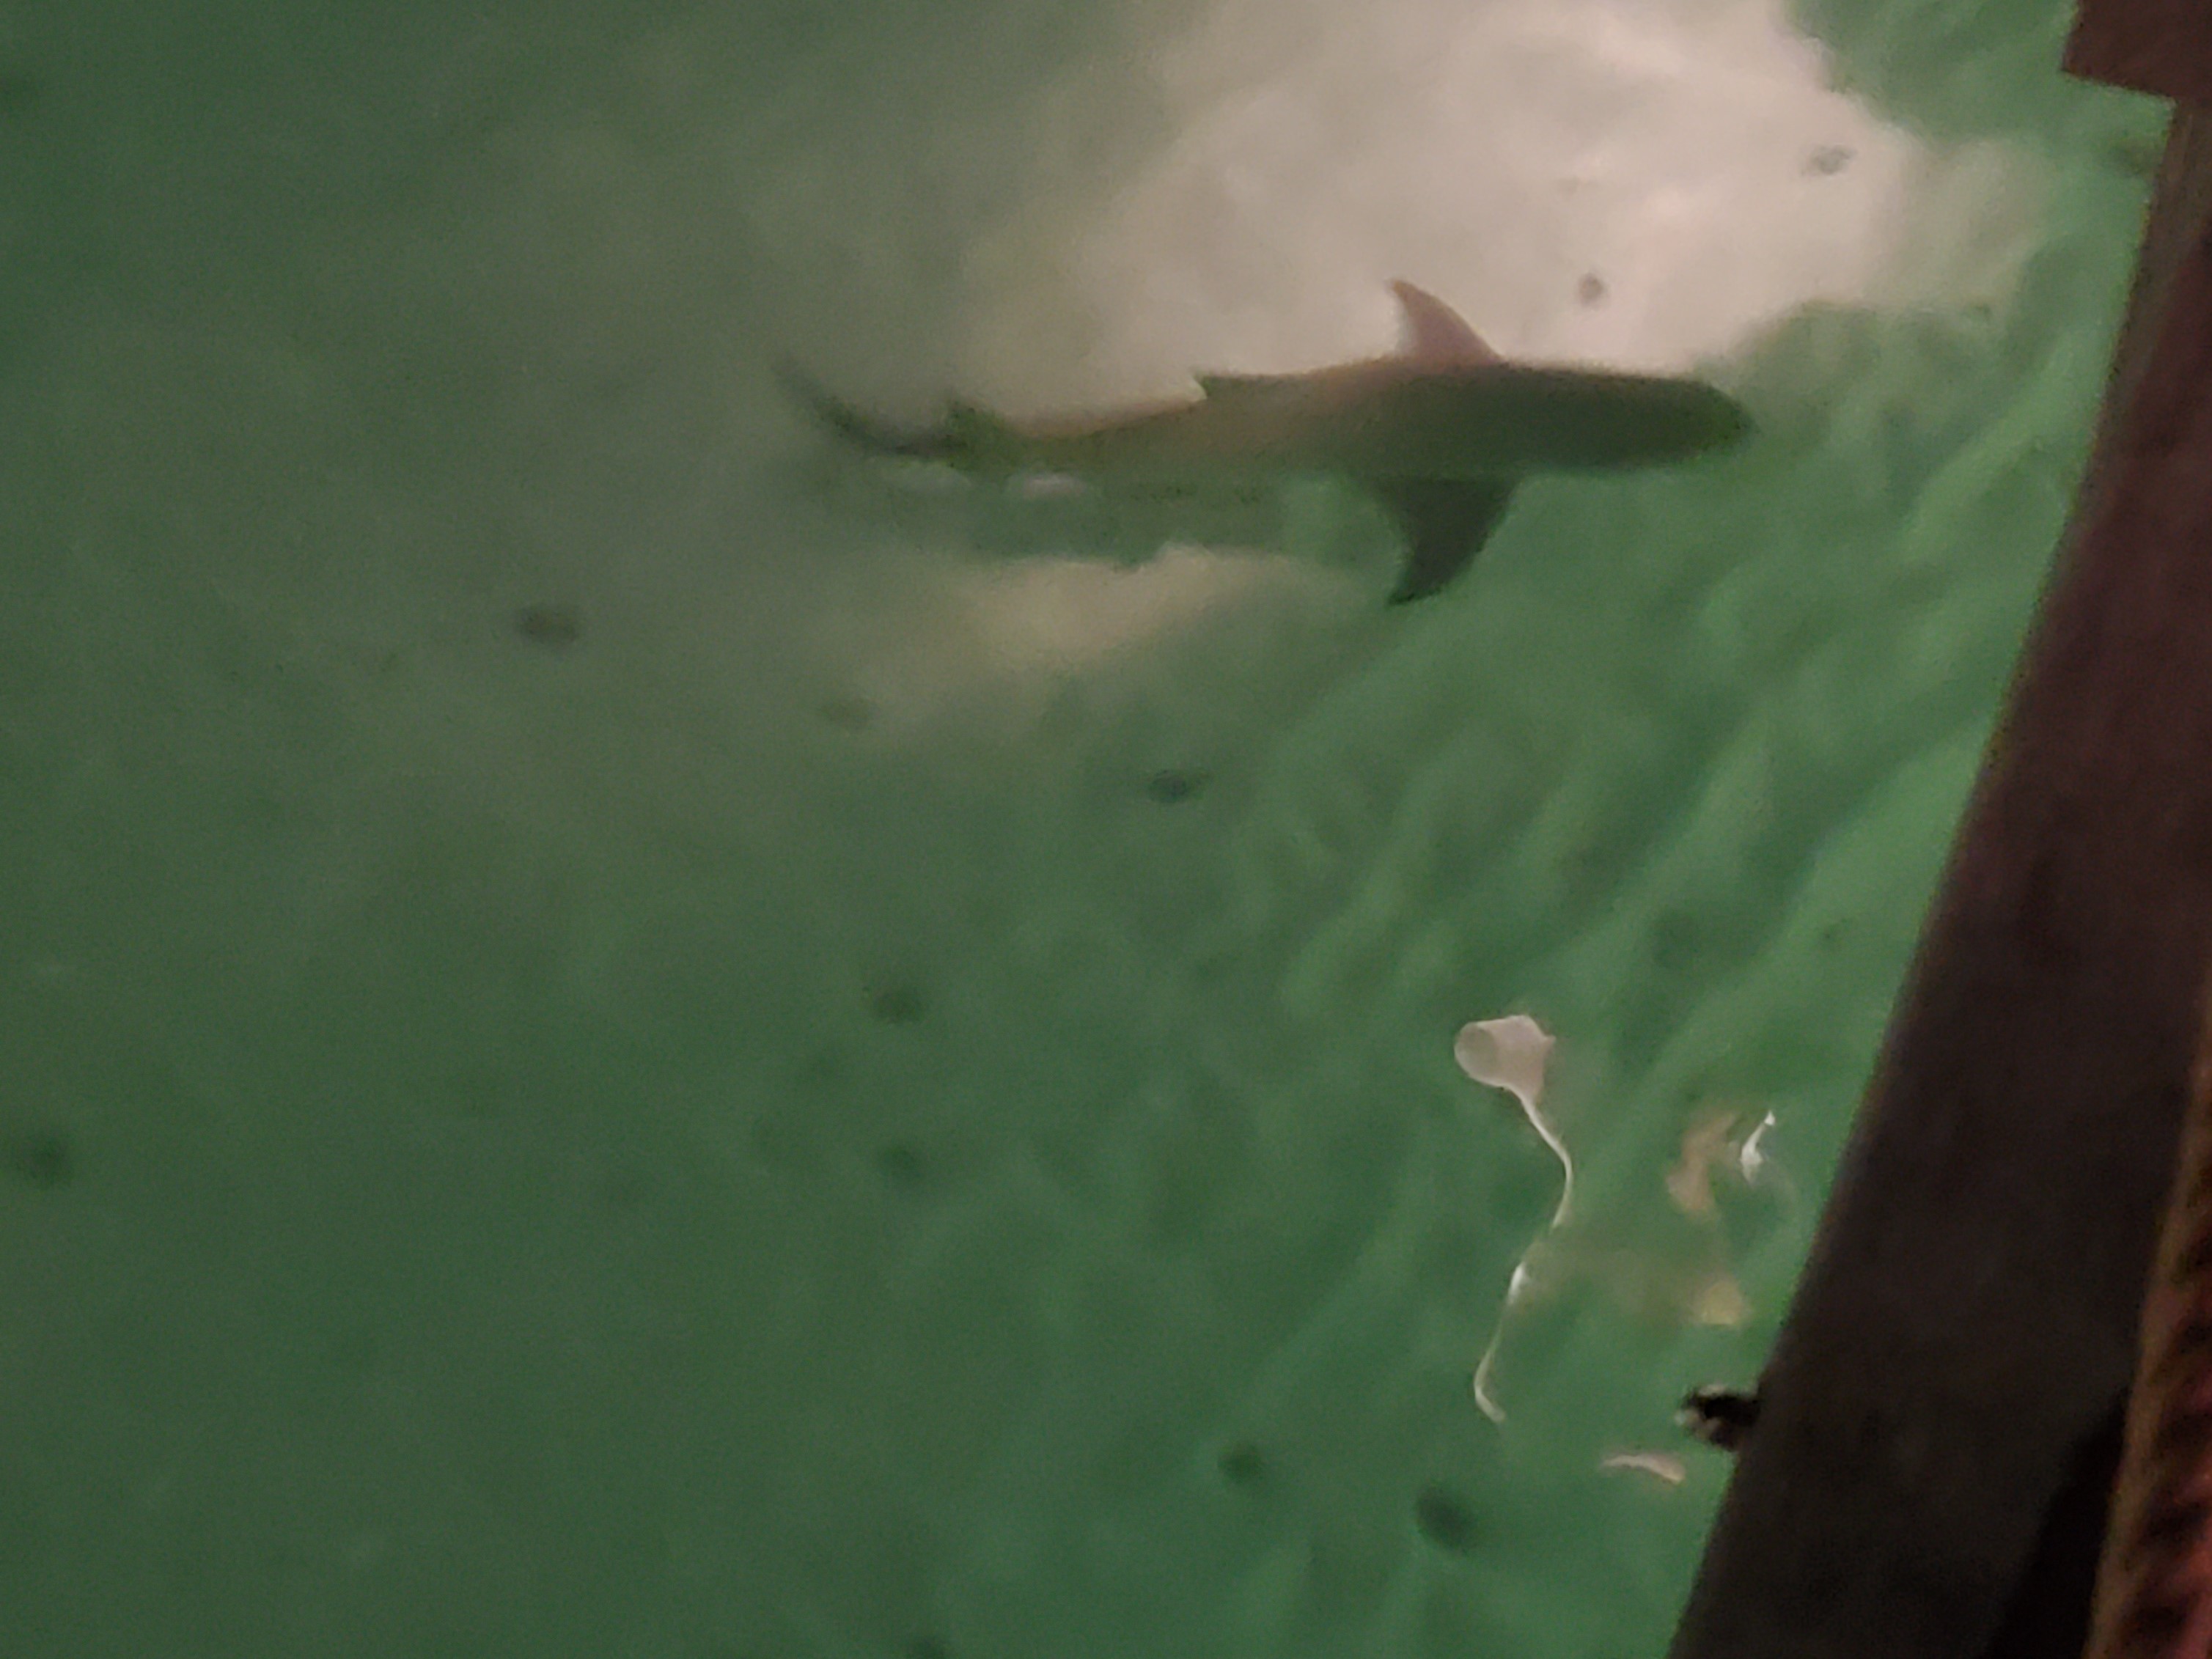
[[623, 1041]]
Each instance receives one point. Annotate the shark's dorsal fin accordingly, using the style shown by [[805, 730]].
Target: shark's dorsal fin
[[1432, 332]]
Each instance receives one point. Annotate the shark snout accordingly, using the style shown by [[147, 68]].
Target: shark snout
[[1676, 420]]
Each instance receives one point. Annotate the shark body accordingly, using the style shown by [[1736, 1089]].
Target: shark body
[[1439, 432]]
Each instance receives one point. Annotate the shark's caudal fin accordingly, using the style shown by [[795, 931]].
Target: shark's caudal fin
[[863, 431], [971, 439], [1444, 522], [1431, 333]]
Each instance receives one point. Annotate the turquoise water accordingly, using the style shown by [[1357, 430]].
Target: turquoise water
[[622, 1040]]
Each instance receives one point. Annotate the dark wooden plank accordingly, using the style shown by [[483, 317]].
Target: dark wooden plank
[[2181, 208], [1966, 1323], [2160, 46], [2150, 1580]]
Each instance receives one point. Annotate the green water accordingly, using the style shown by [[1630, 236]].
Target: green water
[[618, 1042]]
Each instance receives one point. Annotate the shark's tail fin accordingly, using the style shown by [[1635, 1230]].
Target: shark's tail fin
[[862, 430], [971, 439]]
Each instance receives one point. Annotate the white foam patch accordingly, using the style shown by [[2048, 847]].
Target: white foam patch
[[1512, 1054], [1638, 182], [1662, 1467]]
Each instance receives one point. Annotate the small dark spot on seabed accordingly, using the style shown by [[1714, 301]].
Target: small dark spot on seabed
[[2138, 157], [1678, 938], [1175, 784], [900, 1004], [1829, 160], [19, 90], [1592, 289], [928, 1647], [618, 380], [847, 713], [1444, 1520], [1243, 1464], [556, 626], [626, 1189], [40, 1157], [901, 1164]]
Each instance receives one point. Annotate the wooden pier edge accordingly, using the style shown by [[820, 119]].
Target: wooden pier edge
[[1964, 1333]]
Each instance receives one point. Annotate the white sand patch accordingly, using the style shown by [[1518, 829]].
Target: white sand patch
[[1639, 183]]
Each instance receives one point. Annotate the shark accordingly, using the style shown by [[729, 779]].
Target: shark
[[1440, 432]]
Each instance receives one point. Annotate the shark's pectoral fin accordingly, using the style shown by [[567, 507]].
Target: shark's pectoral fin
[[1446, 522]]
